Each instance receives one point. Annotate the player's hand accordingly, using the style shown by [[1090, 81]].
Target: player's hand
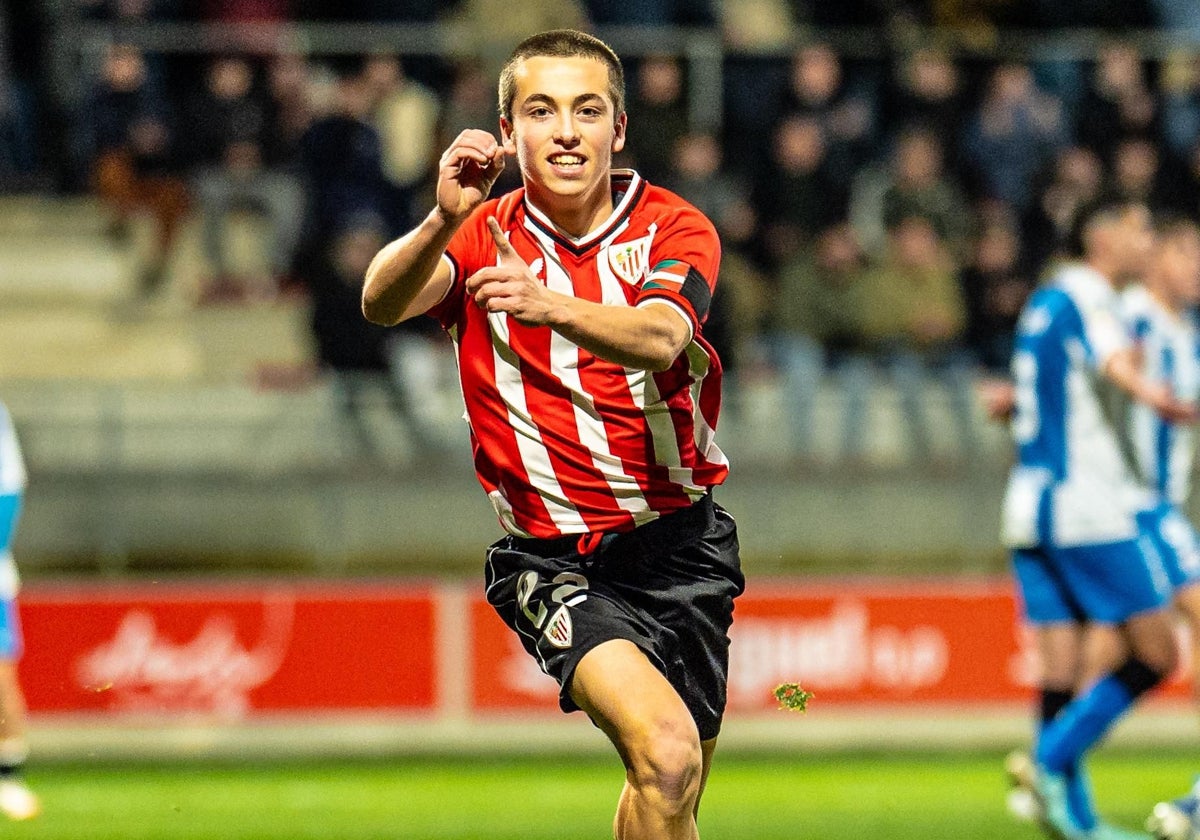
[[510, 286], [1174, 410], [467, 171], [999, 398]]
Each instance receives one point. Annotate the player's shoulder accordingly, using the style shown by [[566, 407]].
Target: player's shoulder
[[669, 207]]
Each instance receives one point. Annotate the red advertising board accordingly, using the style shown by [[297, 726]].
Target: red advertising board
[[263, 647], [849, 642], [228, 650]]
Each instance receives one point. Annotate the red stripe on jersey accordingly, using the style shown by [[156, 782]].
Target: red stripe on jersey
[[572, 442]]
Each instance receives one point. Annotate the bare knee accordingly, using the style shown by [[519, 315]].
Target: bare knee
[[665, 765]]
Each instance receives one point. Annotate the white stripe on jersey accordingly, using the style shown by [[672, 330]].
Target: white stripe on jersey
[[1166, 333], [564, 363]]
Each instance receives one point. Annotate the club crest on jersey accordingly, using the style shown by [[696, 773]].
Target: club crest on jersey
[[559, 631], [630, 260]]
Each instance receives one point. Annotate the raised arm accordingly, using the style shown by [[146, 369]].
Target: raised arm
[[408, 276]]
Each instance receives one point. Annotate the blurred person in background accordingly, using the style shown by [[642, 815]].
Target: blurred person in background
[[406, 115], [658, 106], [1118, 101], [816, 327], [914, 182], [1012, 133], [17, 802], [818, 89], [578, 306], [356, 354], [995, 287], [925, 91], [794, 190], [1070, 511], [341, 161], [1139, 171], [126, 140], [914, 317], [228, 146], [1160, 313], [1076, 177]]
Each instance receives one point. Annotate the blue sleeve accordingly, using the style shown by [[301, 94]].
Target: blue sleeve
[[10, 511]]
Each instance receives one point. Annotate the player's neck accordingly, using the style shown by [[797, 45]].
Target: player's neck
[[574, 216], [1164, 299], [1106, 269]]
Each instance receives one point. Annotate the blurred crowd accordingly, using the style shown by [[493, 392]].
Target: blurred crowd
[[882, 217]]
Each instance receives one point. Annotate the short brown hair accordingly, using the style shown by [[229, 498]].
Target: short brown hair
[[564, 43]]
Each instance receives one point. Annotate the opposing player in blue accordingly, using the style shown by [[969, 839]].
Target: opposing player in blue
[[17, 802], [1070, 509], [1160, 314]]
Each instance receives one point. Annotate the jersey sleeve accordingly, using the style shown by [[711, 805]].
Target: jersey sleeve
[[684, 260], [466, 254]]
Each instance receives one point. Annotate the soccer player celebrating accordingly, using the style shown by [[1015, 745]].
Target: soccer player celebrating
[[1160, 314], [576, 303], [1070, 510]]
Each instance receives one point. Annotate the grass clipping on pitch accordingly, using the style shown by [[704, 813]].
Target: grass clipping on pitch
[[792, 698]]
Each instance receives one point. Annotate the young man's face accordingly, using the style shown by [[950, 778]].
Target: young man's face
[[564, 131], [1178, 266]]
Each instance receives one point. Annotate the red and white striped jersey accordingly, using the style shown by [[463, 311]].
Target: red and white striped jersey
[[565, 442]]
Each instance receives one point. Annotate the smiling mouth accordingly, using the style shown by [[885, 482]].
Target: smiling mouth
[[566, 161]]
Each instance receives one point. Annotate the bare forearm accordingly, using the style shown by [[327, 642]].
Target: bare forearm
[[402, 269], [650, 338]]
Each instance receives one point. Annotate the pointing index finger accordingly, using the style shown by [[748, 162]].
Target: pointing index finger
[[502, 245]]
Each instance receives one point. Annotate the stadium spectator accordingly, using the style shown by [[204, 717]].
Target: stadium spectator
[[915, 183], [1118, 102], [353, 352], [914, 317], [341, 156], [698, 175], [228, 147], [1139, 171], [1076, 177], [925, 91], [619, 576], [819, 89], [125, 137], [817, 327], [406, 115], [1014, 131], [658, 106], [795, 193], [995, 289]]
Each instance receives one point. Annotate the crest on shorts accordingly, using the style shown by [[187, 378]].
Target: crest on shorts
[[630, 260], [559, 631]]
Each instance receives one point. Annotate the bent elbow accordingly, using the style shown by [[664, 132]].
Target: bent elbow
[[375, 311]]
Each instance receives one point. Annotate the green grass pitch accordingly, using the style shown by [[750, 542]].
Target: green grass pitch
[[898, 797]]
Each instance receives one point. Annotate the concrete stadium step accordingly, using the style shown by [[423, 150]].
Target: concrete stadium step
[[36, 266], [49, 215], [78, 342]]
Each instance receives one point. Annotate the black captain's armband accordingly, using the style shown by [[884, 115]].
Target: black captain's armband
[[695, 289]]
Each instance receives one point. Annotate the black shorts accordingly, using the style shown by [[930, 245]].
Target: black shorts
[[667, 586]]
